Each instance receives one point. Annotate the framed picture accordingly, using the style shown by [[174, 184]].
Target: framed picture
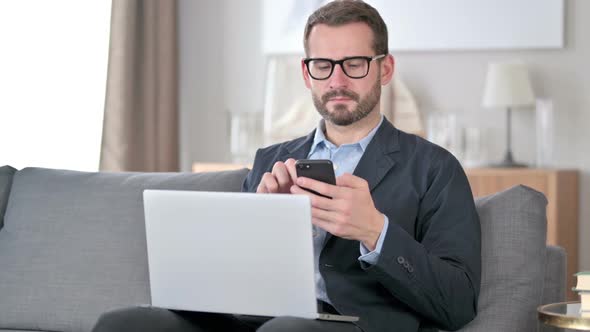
[[432, 25]]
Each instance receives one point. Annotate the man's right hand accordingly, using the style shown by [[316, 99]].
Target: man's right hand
[[280, 180]]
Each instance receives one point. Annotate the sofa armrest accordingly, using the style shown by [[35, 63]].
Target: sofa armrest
[[555, 277], [554, 286]]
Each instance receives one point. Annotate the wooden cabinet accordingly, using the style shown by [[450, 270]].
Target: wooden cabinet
[[561, 189], [216, 167]]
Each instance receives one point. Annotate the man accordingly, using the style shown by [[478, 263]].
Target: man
[[398, 242]]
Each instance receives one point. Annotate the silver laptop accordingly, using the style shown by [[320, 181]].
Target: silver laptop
[[237, 253]]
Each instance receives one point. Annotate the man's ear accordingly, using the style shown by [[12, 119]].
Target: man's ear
[[306, 77], [387, 69]]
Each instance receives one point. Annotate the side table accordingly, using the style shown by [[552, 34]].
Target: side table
[[565, 315]]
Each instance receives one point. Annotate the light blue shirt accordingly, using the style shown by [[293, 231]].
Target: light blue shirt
[[345, 158]]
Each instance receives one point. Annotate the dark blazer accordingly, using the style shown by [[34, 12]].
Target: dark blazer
[[428, 274]]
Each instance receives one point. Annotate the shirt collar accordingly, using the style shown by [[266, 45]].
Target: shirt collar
[[320, 138], [364, 142]]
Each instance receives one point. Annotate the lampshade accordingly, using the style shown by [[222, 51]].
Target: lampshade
[[507, 85]]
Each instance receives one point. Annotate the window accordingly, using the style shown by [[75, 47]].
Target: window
[[53, 67]]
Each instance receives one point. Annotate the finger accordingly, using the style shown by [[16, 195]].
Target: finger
[[269, 182], [326, 225], [290, 163], [279, 170], [351, 181], [333, 228], [316, 201], [325, 215], [261, 189], [318, 186]]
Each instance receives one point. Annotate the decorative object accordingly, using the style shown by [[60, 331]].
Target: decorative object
[[288, 107], [508, 86], [472, 153], [245, 136], [442, 129], [545, 132], [399, 106], [450, 131]]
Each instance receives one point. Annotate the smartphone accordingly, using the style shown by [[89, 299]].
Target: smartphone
[[317, 169]]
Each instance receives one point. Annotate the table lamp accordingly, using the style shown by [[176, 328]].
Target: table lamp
[[507, 86]]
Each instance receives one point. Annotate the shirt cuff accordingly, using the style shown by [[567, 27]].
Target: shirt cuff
[[371, 257]]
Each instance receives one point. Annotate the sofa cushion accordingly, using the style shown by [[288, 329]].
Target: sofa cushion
[[73, 244], [6, 173], [513, 228]]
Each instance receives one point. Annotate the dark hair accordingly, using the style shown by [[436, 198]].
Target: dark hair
[[342, 12]]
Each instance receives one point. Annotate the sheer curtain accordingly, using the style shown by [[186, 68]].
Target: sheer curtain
[[140, 131]]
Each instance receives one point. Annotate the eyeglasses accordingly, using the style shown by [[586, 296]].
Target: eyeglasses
[[354, 67]]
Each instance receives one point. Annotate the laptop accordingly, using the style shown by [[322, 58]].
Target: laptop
[[235, 253]]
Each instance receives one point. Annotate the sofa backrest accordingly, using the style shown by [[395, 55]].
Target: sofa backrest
[[73, 244]]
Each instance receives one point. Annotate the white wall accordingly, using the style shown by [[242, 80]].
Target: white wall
[[441, 82], [201, 91], [244, 64], [221, 71]]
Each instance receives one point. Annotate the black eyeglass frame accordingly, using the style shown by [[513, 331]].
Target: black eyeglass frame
[[333, 64]]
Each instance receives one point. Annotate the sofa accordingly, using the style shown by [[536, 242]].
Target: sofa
[[72, 246]]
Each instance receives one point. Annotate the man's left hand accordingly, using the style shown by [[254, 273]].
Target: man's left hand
[[350, 214]]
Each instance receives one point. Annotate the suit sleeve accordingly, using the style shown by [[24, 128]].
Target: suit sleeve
[[438, 276], [253, 178]]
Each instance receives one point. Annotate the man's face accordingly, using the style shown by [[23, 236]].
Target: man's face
[[340, 99]]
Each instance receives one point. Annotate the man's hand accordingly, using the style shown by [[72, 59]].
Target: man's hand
[[350, 214], [280, 180]]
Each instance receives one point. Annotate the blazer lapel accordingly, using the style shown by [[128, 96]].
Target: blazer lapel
[[377, 159], [297, 149]]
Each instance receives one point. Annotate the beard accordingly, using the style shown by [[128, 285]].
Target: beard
[[341, 115]]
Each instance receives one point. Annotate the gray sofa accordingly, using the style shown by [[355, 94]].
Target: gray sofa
[[72, 245]]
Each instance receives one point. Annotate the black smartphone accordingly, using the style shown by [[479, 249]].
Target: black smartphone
[[317, 169]]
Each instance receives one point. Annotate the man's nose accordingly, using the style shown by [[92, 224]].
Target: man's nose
[[338, 78]]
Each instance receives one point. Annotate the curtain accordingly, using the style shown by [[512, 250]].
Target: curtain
[[140, 129]]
